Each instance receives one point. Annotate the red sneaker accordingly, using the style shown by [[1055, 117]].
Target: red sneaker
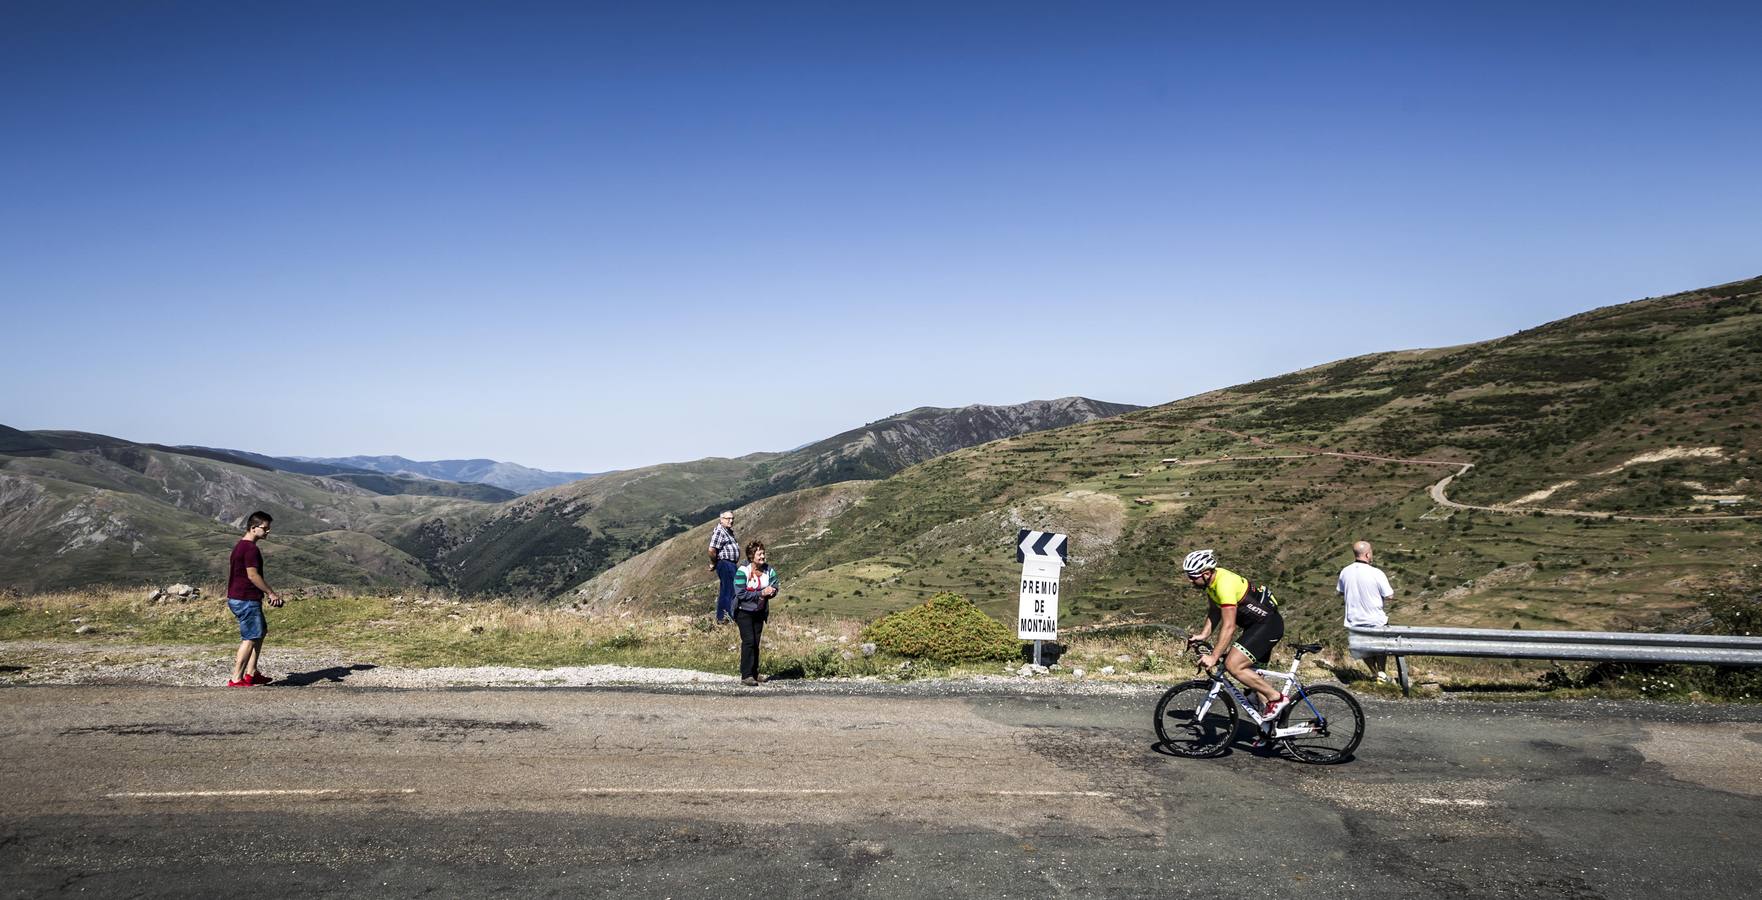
[[245, 683], [259, 678]]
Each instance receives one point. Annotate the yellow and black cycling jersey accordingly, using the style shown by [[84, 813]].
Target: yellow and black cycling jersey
[[1254, 604]]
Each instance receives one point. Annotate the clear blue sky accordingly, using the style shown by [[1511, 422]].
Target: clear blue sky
[[579, 236]]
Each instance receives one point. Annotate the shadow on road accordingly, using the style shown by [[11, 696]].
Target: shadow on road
[[1165, 751], [334, 673], [1246, 745]]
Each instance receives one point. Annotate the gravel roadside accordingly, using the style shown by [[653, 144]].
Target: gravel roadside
[[58, 663], [29, 663]]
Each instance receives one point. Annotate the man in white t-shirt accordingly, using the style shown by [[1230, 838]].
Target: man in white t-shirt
[[1365, 587]]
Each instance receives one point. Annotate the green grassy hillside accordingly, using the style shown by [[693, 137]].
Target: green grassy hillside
[[882, 448], [1627, 402], [676, 575]]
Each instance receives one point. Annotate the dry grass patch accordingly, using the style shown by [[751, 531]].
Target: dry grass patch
[[440, 630]]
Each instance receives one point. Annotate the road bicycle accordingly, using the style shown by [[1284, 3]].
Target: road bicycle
[[1320, 724]]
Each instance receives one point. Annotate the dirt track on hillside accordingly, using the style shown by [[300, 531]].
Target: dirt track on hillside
[[1437, 490]]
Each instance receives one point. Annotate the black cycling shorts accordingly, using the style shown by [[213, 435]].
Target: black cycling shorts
[[1258, 640]]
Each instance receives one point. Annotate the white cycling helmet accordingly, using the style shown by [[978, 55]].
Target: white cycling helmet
[[1199, 562]]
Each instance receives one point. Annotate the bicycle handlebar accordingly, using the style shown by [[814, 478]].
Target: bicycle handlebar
[[1203, 648]]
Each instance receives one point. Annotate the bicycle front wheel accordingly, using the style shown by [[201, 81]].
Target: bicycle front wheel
[[1193, 723], [1332, 720]]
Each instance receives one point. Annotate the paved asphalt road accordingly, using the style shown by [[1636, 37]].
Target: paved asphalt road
[[799, 790]]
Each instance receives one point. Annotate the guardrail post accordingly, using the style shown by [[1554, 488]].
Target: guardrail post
[[1401, 676]]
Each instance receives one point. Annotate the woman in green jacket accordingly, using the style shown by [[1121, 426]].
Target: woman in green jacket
[[754, 585]]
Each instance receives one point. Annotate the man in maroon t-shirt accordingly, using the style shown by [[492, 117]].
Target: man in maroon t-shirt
[[245, 591]]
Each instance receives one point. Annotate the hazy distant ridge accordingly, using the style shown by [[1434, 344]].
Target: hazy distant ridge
[[510, 476]]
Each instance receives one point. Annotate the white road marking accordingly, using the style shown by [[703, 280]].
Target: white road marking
[[1445, 801], [612, 790], [825, 791], [1049, 793], [262, 792], [335, 792]]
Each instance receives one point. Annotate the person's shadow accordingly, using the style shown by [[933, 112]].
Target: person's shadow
[[332, 674]]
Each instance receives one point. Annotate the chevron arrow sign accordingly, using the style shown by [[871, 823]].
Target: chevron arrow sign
[[1043, 545]]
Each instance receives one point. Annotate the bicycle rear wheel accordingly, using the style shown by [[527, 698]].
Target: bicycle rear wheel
[[1335, 722], [1183, 728]]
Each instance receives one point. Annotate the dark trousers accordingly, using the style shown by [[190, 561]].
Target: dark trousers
[[725, 599], [751, 625]]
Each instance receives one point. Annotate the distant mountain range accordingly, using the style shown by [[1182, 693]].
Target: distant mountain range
[[512, 477], [79, 508]]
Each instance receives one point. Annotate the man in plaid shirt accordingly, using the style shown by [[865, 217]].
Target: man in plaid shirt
[[724, 558]]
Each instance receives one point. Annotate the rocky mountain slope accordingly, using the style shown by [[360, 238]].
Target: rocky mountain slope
[[882, 448], [79, 509], [1616, 453]]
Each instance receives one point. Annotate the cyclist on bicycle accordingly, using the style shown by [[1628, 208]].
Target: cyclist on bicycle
[[1237, 604]]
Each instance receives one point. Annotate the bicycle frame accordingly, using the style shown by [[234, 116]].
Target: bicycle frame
[[1219, 682]]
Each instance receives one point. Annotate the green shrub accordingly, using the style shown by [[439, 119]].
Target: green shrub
[[627, 639], [946, 628], [1737, 612], [821, 662]]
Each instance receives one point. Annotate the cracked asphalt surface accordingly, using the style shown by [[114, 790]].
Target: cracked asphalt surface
[[869, 791]]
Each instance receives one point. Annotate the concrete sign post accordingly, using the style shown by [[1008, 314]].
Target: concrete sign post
[[1042, 555]]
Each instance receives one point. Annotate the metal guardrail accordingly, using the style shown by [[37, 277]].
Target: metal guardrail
[[1407, 640]]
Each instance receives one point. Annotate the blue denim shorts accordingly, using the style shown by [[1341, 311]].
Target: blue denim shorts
[[250, 616]]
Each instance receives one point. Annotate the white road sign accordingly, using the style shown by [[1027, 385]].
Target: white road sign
[[1040, 545], [1042, 554]]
